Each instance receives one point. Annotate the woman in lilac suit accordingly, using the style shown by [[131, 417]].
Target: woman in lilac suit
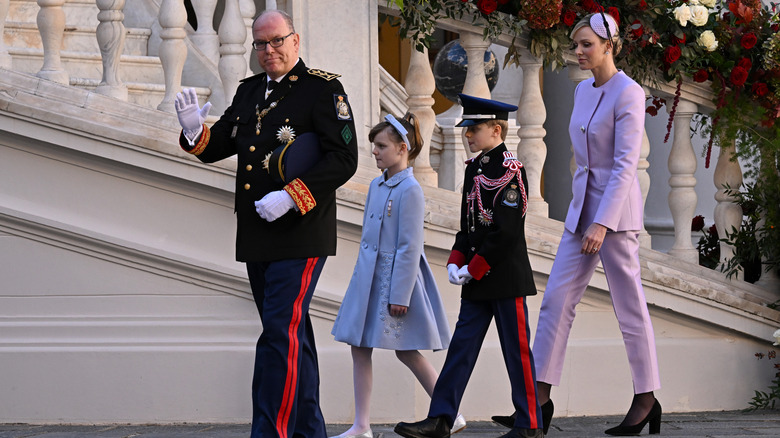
[[603, 221]]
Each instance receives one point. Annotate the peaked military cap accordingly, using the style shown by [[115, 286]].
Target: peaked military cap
[[291, 160], [477, 110]]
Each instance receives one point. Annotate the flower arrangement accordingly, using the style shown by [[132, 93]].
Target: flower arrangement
[[733, 44]]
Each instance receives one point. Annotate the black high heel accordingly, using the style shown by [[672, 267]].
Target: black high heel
[[547, 413], [653, 417]]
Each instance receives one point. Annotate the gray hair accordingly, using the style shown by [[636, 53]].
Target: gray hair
[[285, 15]]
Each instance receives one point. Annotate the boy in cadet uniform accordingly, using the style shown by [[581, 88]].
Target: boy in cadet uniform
[[490, 260]]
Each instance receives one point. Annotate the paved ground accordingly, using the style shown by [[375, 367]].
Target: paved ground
[[706, 424]]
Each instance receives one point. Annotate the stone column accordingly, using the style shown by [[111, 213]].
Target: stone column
[[420, 85], [110, 35], [173, 50], [728, 214], [531, 114], [232, 63], [248, 11], [645, 239], [205, 37], [682, 196], [51, 25], [5, 57]]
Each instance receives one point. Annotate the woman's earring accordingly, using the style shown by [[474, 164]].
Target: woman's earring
[[607, 52]]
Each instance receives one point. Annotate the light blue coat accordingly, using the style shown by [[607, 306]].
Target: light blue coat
[[392, 269]]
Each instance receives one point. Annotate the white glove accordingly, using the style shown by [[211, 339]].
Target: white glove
[[464, 275], [274, 205], [191, 116], [452, 273]]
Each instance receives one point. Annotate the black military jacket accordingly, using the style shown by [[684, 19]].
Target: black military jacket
[[491, 239], [305, 100]]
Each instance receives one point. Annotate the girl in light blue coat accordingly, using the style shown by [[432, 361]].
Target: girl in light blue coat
[[392, 301]]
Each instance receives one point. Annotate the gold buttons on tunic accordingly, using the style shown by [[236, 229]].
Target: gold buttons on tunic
[[247, 186], [248, 167], [251, 148]]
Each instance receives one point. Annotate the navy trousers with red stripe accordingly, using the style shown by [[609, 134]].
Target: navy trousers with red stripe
[[285, 388], [511, 316]]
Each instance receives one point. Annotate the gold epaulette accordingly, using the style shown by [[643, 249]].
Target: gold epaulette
[[323, 74]]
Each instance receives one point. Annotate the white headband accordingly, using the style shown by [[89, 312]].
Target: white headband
[[597, 24], [401, 130]]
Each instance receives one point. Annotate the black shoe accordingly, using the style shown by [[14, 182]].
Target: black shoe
[[547, 414], [505, 420], [509, 420], [428, 428], [518, 432], [653, 417]]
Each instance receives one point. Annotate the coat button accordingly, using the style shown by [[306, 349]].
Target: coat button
[[247, 186], [372, 215], [582, 128], [365, 245], [585, 168], [479, 170], [251, 148], [374, 247], [248, 167]]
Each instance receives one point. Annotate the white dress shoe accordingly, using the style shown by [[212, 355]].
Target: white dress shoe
[[366, 434], [458, 425]]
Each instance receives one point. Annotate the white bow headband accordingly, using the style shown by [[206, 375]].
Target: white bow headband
[[401, 130]]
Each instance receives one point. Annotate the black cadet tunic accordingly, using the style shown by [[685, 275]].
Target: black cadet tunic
[[491, 239], [305, 100]]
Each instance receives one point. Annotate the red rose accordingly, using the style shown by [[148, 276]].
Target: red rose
[[636, 29], [775, 27], [487, 7], [745, 63], [642, 5], [760, 89], [676, 40], [738, 76], [671, 54], [569, 17], [701, 75], [748, 40], [591, 6], [653, 111], [713, 231], [697, 224], [613, 11]]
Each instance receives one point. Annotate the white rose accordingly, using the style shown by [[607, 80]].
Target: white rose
[[707, 40], [693, 2], [777, 337], [699, 15], [682, 14], [708, 3]]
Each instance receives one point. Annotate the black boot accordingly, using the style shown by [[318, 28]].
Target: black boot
[[509, 420], [428, 428], [518, 432], [505, 420]]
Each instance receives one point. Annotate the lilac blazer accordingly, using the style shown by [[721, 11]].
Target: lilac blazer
[[606, 129]]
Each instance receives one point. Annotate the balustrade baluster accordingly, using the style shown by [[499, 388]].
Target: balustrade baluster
[[173, 50], [51, 25], [205, 37], [248, 10], [682, 196], [232, 63], [110, 35], [728, 214], [531, 114], [5, 57], [420, 85], [645, 239]]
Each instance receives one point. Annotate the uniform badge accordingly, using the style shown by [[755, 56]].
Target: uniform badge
[[485, 159], [486, 217], [346, 134], [267, 161], [328, 76], [342, 107], [293, 78], [511, 196], [285, 134]]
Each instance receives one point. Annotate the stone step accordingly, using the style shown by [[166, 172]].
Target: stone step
[[75, 39], [143, 94], [141, 69], [77, 12]]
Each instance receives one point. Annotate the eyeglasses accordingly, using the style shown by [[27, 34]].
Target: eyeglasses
[[276, 42]]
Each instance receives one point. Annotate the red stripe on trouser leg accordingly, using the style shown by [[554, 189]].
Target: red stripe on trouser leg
[[291, 381], [525, 356]]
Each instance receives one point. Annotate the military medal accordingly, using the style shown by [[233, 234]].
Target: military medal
[[486, 217], [285, 134], [485, 159], [267, 160], [261, 114]]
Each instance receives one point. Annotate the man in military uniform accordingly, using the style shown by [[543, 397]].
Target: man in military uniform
[[490, 259], [286, 217]]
